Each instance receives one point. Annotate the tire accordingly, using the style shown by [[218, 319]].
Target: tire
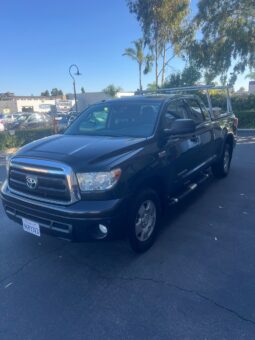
[[144, 220], [221, 168]]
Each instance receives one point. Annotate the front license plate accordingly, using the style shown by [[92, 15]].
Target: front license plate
[[31, 227]]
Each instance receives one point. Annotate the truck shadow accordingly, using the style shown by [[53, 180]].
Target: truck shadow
[[114, 257], [174, 212]]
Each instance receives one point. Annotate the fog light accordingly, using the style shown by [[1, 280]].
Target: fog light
[[103, 229]]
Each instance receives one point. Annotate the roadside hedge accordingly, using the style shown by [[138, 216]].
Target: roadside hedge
[[243, 107], [246, 119], [22, 137], [245, 102]]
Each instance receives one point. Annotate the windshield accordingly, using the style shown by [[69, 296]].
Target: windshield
[[117, 119]]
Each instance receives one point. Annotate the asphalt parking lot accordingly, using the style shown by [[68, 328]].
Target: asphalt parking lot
[[197, 282]]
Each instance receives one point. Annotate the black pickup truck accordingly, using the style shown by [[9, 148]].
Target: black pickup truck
[[117, 168]]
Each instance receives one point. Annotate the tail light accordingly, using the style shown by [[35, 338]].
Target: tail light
[[236, 122]]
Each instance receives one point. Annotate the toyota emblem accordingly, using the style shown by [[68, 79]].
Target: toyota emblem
[[31, 182]]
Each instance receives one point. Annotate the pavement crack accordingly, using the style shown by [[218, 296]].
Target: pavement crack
[[20, 269], [103, 276], [189, 291]]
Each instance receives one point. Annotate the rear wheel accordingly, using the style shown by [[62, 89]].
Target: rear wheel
[[221, 168], [144, 221]]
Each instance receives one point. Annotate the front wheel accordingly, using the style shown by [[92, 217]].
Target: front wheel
[[221, 168], [144, 221]]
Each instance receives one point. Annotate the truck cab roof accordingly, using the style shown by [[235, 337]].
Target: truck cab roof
[[147, 98]]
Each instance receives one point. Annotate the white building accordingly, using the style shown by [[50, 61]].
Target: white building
[[89, 98], [124, 94], [34, 104], [252, 87], [13, 104], [9, 103]]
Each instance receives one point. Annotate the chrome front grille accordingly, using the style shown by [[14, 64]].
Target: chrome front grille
[[53, 182], [49, 186]]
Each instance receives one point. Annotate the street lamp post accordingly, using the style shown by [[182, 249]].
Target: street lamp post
[[77, 73]]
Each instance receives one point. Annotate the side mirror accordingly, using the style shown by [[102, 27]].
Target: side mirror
[[181, 126]]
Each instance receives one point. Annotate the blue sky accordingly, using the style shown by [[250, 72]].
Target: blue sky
[[40, 39]]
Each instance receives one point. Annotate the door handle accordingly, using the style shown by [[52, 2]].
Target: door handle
[[162, 154], [194, 139]]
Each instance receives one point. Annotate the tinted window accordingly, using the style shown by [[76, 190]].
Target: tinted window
[[195, 111], [130, 119], [175, 110]]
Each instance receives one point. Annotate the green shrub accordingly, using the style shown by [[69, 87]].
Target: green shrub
[[243, 107], [246, 119], [22, 137], [245, 102]]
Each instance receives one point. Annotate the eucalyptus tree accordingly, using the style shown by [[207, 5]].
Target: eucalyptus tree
[[226, 44], [163, 24], [251, 76], [188, 77]]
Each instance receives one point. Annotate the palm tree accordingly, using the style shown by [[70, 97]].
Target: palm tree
[[137, 54], [251, 76]]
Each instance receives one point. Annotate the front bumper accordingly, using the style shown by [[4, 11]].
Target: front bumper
[[77, 222]]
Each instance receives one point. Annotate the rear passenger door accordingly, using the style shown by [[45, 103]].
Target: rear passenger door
[[204, 133]]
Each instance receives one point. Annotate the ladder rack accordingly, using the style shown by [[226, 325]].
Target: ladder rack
[[206, 88]]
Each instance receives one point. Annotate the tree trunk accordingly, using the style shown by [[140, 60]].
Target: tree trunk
[[163, 66], [156, 60], [140, 77]]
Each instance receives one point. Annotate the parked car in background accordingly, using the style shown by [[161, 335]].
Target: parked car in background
[[31, 121], [9, 118], [61, 122], [72, 116], [1, 123], [70, 113], [64, 119]]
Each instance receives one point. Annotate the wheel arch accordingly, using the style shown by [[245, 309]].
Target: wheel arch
[[155, 183], [230, 139]]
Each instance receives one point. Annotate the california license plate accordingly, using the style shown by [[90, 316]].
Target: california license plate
[[31, 227]]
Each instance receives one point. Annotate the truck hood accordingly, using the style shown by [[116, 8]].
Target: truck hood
[[83, 152]]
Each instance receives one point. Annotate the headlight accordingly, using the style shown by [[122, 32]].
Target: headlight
[[98, 181]]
